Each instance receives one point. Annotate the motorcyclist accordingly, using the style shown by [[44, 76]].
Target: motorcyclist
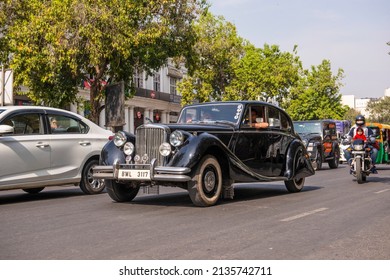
[[360, 122]]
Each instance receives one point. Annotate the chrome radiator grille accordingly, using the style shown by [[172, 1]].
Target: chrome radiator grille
[[148, 141]]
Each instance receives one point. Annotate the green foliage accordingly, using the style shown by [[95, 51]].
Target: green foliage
[[57, 44], [379, 110], [218, 46], [351, 114], [264, 74], [317, 95]]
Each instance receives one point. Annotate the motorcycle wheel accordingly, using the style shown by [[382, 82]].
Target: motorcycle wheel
[[359, 173]]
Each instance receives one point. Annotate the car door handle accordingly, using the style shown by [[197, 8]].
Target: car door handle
[[84, 143], [41, 145]]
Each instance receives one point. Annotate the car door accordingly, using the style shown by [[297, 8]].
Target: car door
[[25, 154], [70, 147], [252, 143]]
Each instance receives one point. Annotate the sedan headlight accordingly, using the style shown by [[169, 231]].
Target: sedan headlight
[[177, 138], [165, 149], [128, 148], [120, 139]]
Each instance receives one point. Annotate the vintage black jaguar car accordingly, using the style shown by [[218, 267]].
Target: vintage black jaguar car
[[320, 138], [212, 146]]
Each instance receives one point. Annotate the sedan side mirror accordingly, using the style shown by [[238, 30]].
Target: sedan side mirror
[[6, 129]]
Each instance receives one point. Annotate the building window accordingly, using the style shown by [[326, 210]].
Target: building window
[[156, 82], [172, 85], [139, 79]]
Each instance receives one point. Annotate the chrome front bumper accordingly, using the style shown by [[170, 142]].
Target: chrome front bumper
[[157, 173]]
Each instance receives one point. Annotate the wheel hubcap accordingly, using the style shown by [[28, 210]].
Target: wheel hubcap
[[209, 181]]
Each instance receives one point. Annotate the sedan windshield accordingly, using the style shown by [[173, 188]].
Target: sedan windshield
[[308, 127], [208, 113]]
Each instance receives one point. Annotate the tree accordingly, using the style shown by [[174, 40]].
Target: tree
[[351, 114], [60, 43], [266, 74], [217, 47], [379, 110], [317, 95]]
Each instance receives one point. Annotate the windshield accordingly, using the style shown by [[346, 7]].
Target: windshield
[[309, 127], [211, 113]]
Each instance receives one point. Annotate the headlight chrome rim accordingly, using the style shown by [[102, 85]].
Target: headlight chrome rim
[[128, 148], [120, 139], [176, 138], [165, 149]]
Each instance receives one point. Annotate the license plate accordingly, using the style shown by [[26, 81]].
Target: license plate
[[134, 174], [309, 149]]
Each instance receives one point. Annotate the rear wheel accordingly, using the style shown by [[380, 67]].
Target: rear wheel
[[88, 184], [34, 190], [296, 185], [121, 192], [206, 186]]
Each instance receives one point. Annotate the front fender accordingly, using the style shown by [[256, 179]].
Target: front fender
[[300, 167], [195, 147], [111, 153]]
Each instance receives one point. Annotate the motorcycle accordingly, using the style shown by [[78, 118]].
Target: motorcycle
[[360, 161]]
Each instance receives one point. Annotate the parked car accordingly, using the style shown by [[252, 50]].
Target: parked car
[[41, 147], [321, 140], [212, 146]]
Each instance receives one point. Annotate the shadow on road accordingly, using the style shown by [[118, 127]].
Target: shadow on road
[[17, 196], [242, 192]]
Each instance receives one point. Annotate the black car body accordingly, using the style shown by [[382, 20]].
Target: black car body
[[321, 140], [212, 146]]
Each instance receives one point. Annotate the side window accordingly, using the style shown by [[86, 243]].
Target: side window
[[25, 124], [65, 125], [273, 117], [254, 114], [285, 124]]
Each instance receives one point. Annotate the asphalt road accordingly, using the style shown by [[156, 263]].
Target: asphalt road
[[332, 218]]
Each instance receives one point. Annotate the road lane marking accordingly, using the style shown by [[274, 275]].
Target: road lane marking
[[304, 214], [382, 191]]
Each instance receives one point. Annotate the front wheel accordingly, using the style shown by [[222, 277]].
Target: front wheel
[[358, 170], [88, 184], [206, 186], [121, 192]]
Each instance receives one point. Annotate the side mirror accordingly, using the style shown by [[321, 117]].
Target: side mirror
[[6, 129]]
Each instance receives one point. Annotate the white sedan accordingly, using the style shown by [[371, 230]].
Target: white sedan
[[42, 146]]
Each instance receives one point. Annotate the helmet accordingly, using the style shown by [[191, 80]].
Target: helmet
[[360, 120]]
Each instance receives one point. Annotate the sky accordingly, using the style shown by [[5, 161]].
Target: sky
[[351, 34]]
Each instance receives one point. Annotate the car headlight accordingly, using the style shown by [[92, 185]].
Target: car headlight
[[165, 149], [177, 138], [128, 148], [120, 139]]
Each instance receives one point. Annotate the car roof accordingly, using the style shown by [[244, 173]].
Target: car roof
[[9, 109]]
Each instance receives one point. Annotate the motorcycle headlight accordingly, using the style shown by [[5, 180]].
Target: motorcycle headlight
[[165, 149], [358, 147], [120, 138], [128, 148], [177, 138]]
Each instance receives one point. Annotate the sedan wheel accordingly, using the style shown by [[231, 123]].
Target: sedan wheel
[[88, 184], [296, 185], [122, 192], [206, 185]]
